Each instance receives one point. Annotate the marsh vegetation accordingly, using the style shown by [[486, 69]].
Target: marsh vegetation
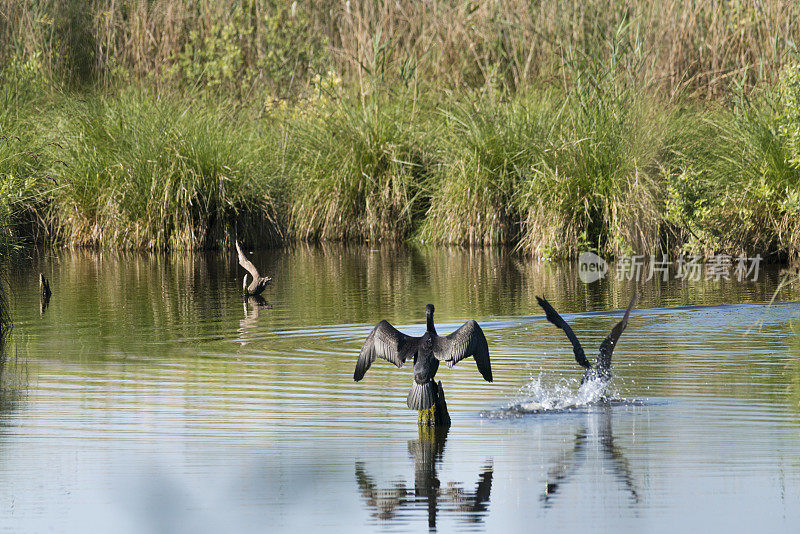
[[554, 128]]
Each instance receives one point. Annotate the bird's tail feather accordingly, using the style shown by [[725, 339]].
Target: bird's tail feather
[[422, 396]]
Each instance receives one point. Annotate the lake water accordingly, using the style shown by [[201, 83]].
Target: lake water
[[149, 397]]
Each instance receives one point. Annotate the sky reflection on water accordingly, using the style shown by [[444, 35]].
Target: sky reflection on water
[[149, 397]]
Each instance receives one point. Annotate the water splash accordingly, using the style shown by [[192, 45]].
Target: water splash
[[566, 395]]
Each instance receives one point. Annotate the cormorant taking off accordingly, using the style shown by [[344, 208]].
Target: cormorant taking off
[[259, 283], [601, 371], [387, 342]]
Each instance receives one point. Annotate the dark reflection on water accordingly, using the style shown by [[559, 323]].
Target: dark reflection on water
[[601, 435], [428, 494], [253, 305], [13, 380], [190, 293], [5, 317], [12, 384]]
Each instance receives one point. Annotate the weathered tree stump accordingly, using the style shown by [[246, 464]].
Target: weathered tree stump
[[259, 283], [437, 415]]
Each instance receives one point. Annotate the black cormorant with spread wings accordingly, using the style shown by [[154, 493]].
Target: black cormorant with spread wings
[[259, 283], [386, 342], [602, 370]]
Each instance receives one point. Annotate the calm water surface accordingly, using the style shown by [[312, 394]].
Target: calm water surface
[[149, 397]]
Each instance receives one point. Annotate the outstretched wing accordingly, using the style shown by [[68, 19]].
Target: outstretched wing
[[607, 347], [387, 342], [247, 264], [466, 341], [555, 318]]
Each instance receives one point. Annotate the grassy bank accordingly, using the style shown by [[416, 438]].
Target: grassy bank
[[140, 172], [550, 172], [359, 168], [384, 123]]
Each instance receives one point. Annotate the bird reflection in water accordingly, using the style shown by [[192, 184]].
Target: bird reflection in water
[[428, 493], [595, 430], [253, 305]]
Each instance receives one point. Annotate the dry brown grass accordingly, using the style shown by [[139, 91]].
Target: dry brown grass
[[701, 45]]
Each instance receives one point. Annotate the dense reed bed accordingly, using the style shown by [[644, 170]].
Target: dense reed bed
[[550, 172], [736, 186], [703, 45], [360, 168], [142, 172], [553, 128]]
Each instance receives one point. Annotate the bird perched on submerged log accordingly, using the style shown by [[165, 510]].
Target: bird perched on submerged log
[[386, 342], [602, 369], [259, 283]]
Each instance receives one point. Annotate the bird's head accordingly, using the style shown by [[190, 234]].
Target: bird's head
[[429, 315]]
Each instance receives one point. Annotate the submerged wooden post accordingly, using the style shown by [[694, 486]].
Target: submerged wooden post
[[44, 287], [44, 293], [437, 415]]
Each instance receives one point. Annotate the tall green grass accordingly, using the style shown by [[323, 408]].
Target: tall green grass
[[561, 171], [22, 189], [360, 168], [489, 148], [555, 127], [26, 156], [597, 162], [597, 185], [156, 173], [737, 188]]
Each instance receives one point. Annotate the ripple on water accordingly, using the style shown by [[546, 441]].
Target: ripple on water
[[147, 406]]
